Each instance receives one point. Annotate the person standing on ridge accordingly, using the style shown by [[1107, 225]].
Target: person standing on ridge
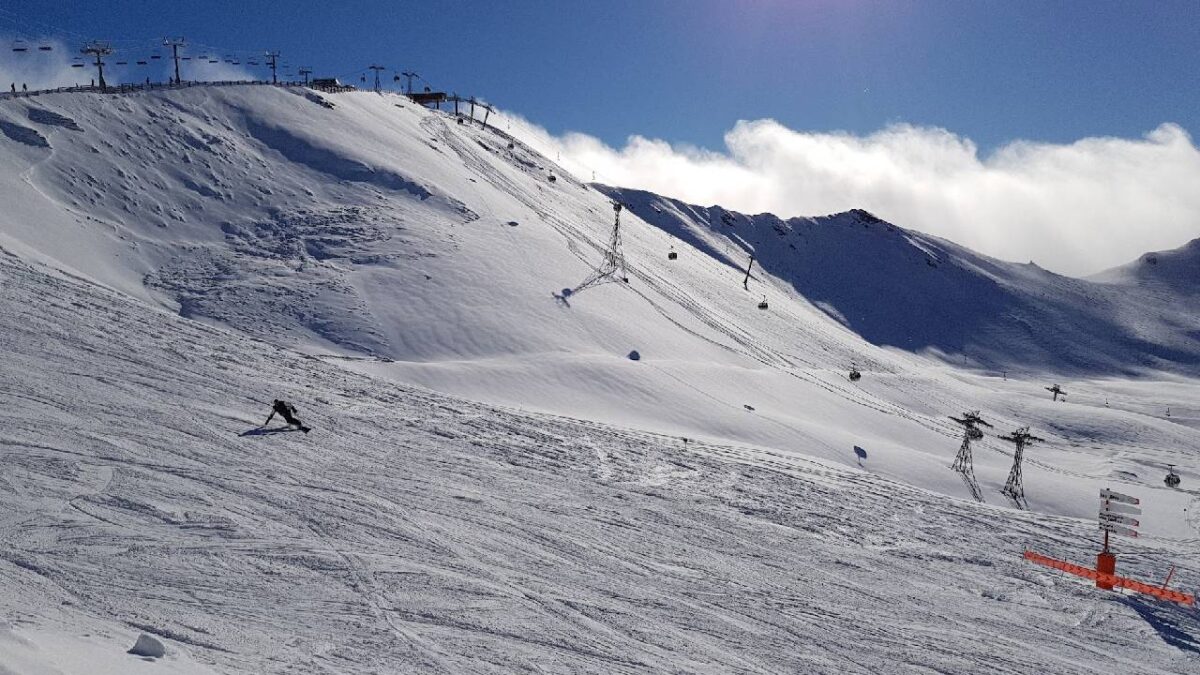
[[288, 412]]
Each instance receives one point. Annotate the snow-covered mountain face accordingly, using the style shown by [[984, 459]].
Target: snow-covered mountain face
[[590, 460], [904, 289], [402, 244], [1173, 274]]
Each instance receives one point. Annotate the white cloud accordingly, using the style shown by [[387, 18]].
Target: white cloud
[[1073, 208]]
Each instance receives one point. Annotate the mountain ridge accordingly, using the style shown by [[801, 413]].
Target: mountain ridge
[[900, 288]]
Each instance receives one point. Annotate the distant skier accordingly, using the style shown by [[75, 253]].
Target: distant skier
[[288, 412]]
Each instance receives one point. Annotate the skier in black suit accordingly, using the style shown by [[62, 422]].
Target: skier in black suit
[[288, 412]]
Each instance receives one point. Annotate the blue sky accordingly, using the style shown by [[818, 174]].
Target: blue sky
[[686, 70], [1057, 132]]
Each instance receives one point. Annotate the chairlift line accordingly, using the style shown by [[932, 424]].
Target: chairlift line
[[1172, 479]]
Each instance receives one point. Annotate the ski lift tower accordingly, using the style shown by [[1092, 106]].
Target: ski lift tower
[[1057, 391], [99, 50], [971, 421], [272, 58], [175, 44], [1014, 488], [612, 267], [749, 266], [410, 75], [376, 69]]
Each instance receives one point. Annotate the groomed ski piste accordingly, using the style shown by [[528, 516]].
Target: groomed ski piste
[[652, 476]]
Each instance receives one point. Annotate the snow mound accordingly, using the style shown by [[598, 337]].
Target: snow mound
[[148, 646]]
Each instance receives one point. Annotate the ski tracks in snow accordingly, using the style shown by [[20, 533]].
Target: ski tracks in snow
[[412, 531]]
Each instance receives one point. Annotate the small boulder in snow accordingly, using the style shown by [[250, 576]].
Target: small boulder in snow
[[635, 356], [148, 646]]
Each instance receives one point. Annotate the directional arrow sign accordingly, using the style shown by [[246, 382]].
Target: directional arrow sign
[[1114, 518], [1114, 507], [1105, 493], [1118, 529]]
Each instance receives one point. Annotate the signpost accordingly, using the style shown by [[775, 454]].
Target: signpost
[[1117, 513], [1110, 496], [1115, 509]]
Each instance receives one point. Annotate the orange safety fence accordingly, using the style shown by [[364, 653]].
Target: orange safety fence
[[1123, 582]]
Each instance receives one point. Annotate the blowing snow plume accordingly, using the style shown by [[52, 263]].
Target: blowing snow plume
[[38, 68], [1076, 208]]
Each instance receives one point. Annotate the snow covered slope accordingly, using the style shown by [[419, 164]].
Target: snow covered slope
[[1175, 273], [175, 259], [899, 288], [413, 532]]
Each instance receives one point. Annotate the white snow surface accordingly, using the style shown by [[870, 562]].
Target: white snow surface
[[492, 483]]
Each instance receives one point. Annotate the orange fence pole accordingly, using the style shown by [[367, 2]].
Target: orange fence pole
[[1111, 580]]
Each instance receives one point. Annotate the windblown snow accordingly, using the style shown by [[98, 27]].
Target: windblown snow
[[651, 476]]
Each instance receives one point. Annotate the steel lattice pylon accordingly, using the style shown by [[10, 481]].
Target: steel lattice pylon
[[963, 463], [612, 268], [1014, 488]]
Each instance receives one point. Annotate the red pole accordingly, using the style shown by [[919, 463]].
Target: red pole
[[1169, 575], [1106, 564]]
